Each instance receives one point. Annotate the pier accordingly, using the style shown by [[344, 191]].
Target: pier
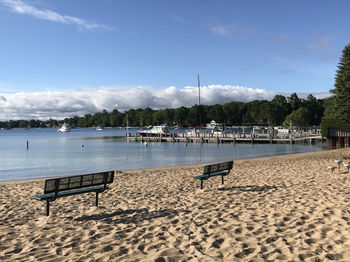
[[223, 138]]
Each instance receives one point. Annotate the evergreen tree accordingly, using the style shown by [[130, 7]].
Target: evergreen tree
[[342, 87]]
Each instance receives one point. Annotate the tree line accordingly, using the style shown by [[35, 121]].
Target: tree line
[[279, 111]]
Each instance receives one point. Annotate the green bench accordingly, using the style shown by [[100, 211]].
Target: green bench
[[218, 169], [73, 185]]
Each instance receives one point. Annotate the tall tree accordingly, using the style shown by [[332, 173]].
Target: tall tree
[[342, 87], [294, 101]]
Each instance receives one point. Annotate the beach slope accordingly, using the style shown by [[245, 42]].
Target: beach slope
[[290, 208]]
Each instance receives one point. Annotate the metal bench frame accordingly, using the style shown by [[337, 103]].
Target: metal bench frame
[[73, 185], [219, 169]]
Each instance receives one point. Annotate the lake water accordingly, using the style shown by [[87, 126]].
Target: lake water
[[80, 151]]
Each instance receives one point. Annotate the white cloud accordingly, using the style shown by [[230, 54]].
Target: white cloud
[[20, 7], [178, 18], [221, 30], [61, 104], [237, 31]]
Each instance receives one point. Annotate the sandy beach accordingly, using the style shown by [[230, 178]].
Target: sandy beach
[[287, 208]]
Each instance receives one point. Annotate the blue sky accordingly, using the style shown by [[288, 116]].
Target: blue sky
[[61, 58]]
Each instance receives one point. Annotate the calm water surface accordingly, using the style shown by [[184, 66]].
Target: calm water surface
[[53, 153]]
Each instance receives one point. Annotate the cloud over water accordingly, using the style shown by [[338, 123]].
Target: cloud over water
[[60, 104]]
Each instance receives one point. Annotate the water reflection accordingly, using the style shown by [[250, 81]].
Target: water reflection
[[52, 153]]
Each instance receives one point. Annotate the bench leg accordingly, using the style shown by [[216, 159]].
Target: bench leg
[[201, 183], [222, 179], [47, 208], [96, 199]]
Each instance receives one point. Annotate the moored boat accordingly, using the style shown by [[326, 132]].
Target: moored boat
[[155, 131], [64, 128]]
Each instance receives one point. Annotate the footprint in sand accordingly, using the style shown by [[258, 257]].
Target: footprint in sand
[[334, 256], [217, 243]]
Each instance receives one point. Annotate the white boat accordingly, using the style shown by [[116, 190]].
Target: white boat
[[99, 128], [64, 128], [215, 127], [155, 131]]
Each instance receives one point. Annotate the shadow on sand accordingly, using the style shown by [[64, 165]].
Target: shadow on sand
[[249, 188], [132, 216]]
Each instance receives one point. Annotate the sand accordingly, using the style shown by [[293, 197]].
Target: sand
[[287, 208]]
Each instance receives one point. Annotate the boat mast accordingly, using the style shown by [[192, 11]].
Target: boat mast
[[199, 101], [127, 124], [199, 92]]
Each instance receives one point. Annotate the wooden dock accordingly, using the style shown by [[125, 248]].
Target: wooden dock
[[338, 137], [225, 138]]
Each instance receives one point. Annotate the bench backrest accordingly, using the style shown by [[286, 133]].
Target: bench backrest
[[75, 182], [217, 167]]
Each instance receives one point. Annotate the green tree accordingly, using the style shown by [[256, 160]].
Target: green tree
[[105, 118], [214, 112], [23, 124], [265, 113], [337, 108], [232, 113], [82, 122], [146, 117], [328, 106], [316, 107], [301, 117], [132, 118], [169, 116], [115, 118], [88, 120], [181, 116], [159, 117], [342, 87], [258, 112], [51, 123], [33, 123], [74, 121], [294, 101], [280, 108], [196, 115]]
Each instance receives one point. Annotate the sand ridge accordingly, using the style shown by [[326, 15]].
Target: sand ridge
[[288, 208]]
